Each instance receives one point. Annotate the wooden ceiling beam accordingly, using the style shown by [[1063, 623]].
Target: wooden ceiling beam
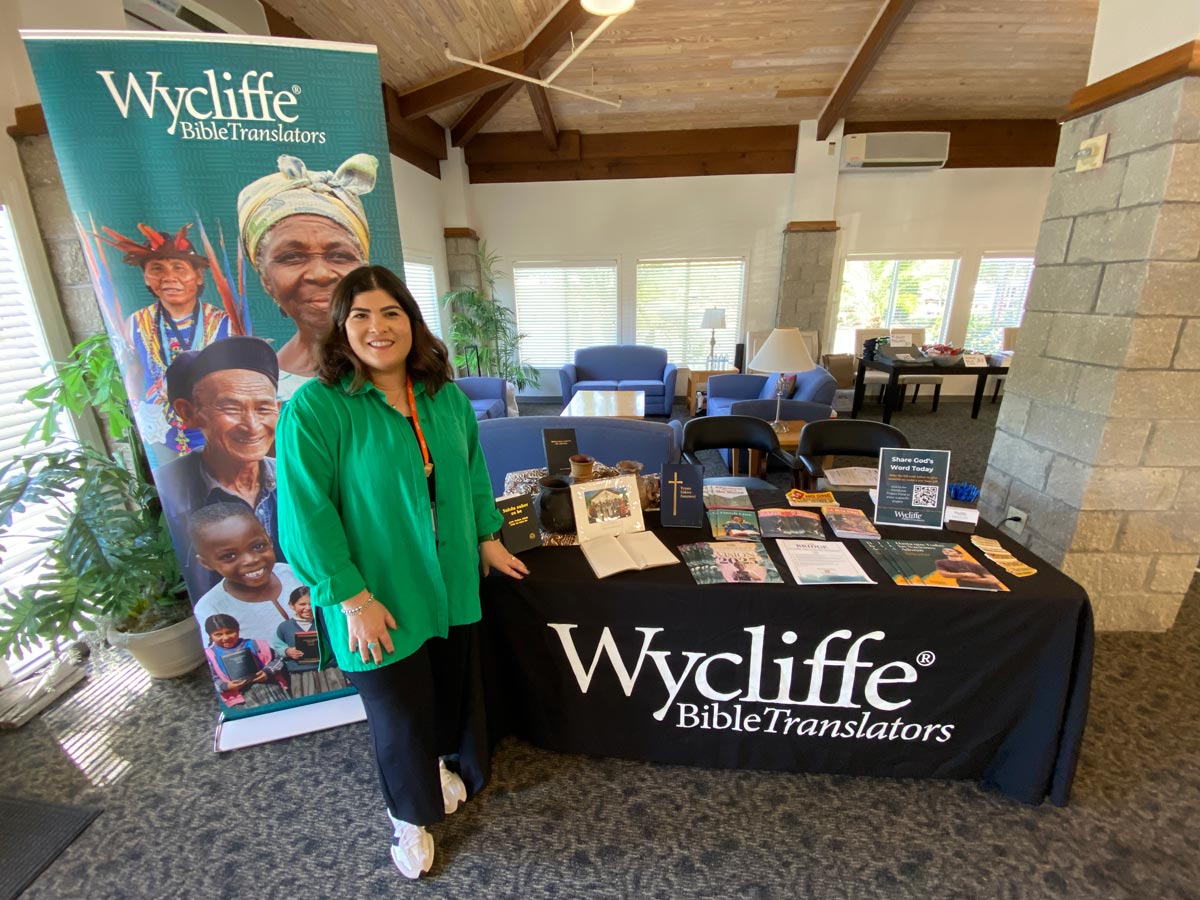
[[541, 47], [420, 140], [461, 86], [890, 16], [545, 115]]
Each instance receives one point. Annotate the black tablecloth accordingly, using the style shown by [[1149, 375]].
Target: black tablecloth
[[649, 665]]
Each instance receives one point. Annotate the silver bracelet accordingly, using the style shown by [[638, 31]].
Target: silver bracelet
[[357, 610]]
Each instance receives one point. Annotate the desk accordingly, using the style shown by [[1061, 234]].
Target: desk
[[891, 393], [649, 665], [615, 404]]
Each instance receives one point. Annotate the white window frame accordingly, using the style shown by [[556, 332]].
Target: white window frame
[[983, 258], [613, 263], [727, 338], [958, 257], [420, 258]]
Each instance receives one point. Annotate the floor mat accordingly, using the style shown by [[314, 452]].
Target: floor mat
[[32, 834]]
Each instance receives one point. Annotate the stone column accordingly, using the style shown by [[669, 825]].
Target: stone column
[[806, 274], [1097, 437], [57, 227], [462, 258]]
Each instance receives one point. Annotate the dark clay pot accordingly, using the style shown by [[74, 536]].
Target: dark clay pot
[[554, 508]]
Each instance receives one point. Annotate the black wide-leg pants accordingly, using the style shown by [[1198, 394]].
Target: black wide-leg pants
[[426, 706]]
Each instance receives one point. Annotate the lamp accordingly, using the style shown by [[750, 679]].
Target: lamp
[[783, 351], [714, 318], [607, 7]]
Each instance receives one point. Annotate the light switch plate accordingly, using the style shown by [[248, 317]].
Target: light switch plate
[[1095, 159]]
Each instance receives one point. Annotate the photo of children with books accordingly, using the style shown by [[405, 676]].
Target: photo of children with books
[[245, 672], [259, 594]]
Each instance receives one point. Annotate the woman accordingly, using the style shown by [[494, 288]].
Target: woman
[[384, 498], [303, 231]]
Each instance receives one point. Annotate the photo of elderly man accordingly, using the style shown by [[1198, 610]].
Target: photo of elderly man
[[228, 391]]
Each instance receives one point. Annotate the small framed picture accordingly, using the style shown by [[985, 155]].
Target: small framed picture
[[608, 506]]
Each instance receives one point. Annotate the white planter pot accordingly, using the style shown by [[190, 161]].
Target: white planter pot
[[165, 652]]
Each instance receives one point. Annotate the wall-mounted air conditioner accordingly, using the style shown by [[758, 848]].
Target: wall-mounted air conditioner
[[233, 17], [895, 151]]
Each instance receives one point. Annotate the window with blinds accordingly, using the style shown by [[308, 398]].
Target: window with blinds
[[420, 281], [894, 293], [23, 358], [998, 301], [562, 307], [672, 297]]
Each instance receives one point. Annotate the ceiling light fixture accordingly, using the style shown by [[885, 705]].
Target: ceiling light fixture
[[607, 7]]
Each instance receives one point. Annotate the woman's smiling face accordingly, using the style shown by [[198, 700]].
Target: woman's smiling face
[[379, 331]]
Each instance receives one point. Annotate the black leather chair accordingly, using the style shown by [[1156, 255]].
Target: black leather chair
[[741, 433], [839, 437]]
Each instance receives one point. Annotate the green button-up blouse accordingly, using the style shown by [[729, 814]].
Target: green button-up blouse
[[354, 509]]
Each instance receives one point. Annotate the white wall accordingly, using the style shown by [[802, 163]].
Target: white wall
[[1130, 31], [422, 224], [960, 212], [728, 215]]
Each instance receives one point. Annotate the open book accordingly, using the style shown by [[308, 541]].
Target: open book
[[619, 553]]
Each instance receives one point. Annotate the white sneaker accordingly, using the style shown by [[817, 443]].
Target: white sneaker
[[454, 792], [412, 848]]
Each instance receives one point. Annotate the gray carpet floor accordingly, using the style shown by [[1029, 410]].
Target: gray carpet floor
[[302, 818]]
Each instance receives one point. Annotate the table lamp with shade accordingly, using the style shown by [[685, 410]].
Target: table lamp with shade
[[783, 351], [714, 318]]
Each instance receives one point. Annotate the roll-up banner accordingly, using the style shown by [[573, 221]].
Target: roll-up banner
[[221, 186]]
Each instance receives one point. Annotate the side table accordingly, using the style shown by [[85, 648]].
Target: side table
[[697, 381]]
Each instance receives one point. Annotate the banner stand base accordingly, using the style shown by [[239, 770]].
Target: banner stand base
[[234, 734]]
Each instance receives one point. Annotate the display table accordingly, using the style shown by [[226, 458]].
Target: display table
[[891, 394], [868, 680]]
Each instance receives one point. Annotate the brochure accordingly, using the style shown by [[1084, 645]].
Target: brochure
[[822, 562], [719, 496], [790, 523], [848, 522], [933, 564], [734, 524], [912, 487], [853, 476], [797, 497], [732, 562]]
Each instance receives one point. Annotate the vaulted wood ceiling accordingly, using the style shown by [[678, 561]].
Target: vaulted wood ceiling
[[705, 64]]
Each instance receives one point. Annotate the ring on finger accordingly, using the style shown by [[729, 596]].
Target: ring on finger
[[372, 645]]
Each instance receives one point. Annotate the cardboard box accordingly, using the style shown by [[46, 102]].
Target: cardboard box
[[842, 366]]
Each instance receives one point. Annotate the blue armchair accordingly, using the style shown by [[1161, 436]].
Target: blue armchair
[[815, 386], [511, 445], [622, 367], [488, 396]]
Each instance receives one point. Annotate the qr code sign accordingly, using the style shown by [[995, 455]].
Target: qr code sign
[[925, 495]]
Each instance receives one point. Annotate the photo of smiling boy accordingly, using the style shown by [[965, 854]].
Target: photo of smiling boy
[[230, 540]]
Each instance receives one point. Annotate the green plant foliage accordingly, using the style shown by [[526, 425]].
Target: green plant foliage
[[103, 551], [484, 332]]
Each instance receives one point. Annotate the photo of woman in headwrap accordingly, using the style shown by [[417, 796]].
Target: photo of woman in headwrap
[[302, 231], [177, 321]]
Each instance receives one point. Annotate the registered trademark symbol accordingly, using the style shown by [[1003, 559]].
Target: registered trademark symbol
[[925, 658], [295, 89]]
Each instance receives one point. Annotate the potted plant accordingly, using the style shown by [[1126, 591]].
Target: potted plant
[[485, 331], [103, 557]]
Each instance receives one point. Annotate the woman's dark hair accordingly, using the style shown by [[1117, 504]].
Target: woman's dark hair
[[428, 360]]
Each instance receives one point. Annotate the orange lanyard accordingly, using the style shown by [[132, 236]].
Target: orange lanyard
[[412, 405]]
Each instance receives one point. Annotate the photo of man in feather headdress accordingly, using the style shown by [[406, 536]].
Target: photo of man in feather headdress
[[177, 321]]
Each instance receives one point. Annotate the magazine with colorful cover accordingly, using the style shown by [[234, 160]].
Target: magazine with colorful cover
[[734, 524], [731, 562], [822, 562], [790, 523], [850, 523], [933, 564], [721, 496]]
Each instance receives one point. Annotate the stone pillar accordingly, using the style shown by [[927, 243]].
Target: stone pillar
[[806, 274], [57, 227], [1097, 437], [462, 258]]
